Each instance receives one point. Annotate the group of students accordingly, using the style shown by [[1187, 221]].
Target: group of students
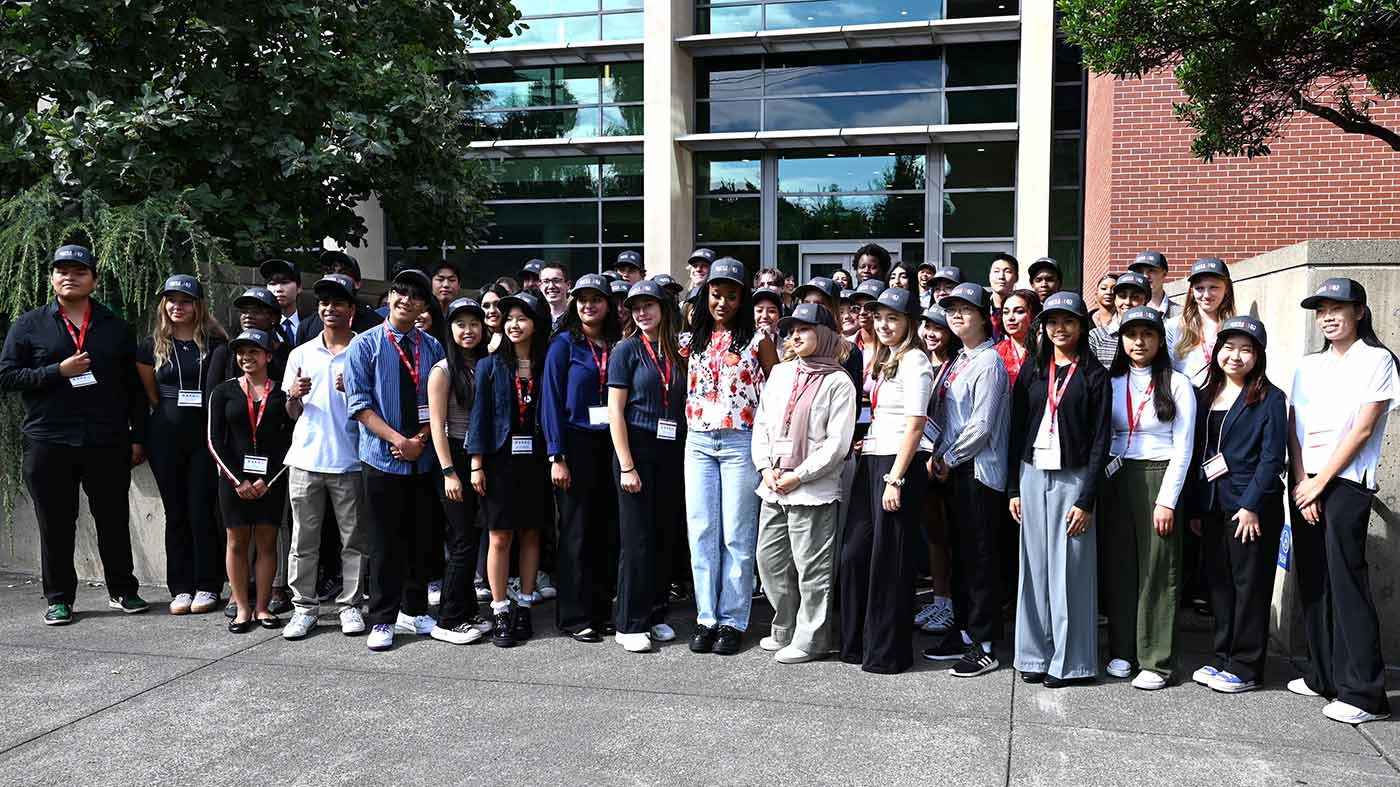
[[829, 440]]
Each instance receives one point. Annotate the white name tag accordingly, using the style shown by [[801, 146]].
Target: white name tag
[[932, 431], [598, 416], [864, 416], [522, 445], [1113, 467], [1214, 467], [189, 399], [422, 414], [83, 380], [665, 429], [782, 446], [255, 464]]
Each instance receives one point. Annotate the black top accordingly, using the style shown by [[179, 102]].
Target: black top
[[1255, 447], [1214, 421], [231, 433], [631, 367], [365, 319], [1084, 426], [185, 369], [223, 364], [112, 410]]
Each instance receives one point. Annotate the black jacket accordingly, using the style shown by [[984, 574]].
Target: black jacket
[[1254, 441], [1085, 428]]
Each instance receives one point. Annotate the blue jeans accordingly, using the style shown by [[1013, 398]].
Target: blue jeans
[[721, 511]]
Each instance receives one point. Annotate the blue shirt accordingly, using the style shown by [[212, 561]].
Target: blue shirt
[[570, 386], [372, 369], [630, 367]]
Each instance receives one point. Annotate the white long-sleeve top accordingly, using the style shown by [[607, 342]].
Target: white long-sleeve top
[[830, 428], [1153, 440]]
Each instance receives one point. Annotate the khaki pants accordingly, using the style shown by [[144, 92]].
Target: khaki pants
[[1141, 571], [310, 493], [796, 557]]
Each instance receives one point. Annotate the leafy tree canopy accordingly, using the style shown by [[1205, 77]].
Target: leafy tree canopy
[[1246, 66]]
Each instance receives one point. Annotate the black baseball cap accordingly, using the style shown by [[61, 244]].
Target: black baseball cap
[[525, 299], [260, 339], [594, 282], [820, 284], [334, 258], [631, 258], [73, 254], [646, 288], [335, 286], [967, 292], [257, 296], [532, 268], [184, 284], [706, 256], [949, 273], [275, 265], [1209, 266], [870, 288], [846, 295], [611, 275], [667, 281], [1042, 263], [808, 314], [1340, 290], [1246, 325], [1153, 259], [1065, 301], [415, 277], [1133, 279], [768, 293], [936, 315], [1142, 314], [899, 299], [465, 304], [728, 269]]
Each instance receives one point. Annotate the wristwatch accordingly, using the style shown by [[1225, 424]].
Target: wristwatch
[[449, 471], [893, 481], [556, 458]]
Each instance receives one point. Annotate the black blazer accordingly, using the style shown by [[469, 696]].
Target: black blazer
[[1255, 445], [1085, 427]]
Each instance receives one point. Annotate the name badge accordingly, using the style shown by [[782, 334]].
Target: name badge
[[932, 431], [423, 414], [522, 445], [189, 399], [1214, 467], [1113, 467], [255, 464], [598, 416], [665, 429], [863, 417], [782, 446], [83, 380]]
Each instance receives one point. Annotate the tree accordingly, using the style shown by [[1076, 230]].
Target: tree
[[1246, 66]]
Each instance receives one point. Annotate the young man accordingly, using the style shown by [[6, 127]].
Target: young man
[[329, 262], [530, 274], [284, 281], [699, 267], [941, 283], [386, 387], [73, 363], [554, 286], [1153, 265], [1001, 278], [924, 275], [1045, 276], [629, 266], [871, 261], [257, 309], [447, 283], [323, 466]]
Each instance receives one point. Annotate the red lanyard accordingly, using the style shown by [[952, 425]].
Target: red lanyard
[[665, 377], [963, 360], [1053, 398], [798, 388], [875, 394], [252, 420], [602, 364], [523, 396], [417, 352], [79, 338], [1134, 420]]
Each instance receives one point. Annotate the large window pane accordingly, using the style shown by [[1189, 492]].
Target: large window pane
[[555, 31], [727, 218], [1067, 62], [962, 9], [848, 111], [824, 172], [971, 65], [816, 218], [621, 121], [558, 222], [1069, 107], [721, 116], [972, 165], [835, 73], [619, 27], [622, 176], [547, 7], [1070, 255], [539, 123], [614, 5], [1064, 212], [544, 178], [728, 176], [486, 265], [622, 82], [978, 214], [730, 20], [738, 77], [622, 222], [982, 106], [822, 13], [539, 87], [1064, 162]]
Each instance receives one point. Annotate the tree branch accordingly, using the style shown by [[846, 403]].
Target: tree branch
[[1349, 124]]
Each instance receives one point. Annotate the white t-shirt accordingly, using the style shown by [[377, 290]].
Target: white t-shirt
[[324, 439], [896, 400], [1328, 391], [1195, 362]]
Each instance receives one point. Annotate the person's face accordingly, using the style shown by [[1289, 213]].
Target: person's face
[[1127, 297], [624, 315], [179, 308], [765, 315], [424, 321], [766, 280], [890, 326], [1015, 318], [965, 321], [632, 275], [285, 289], [259, 317], [1208, 291], [554, 286], [842, 279], [1063, 330], [1337, 320], [72, 281], [1141, 343], [1154, 275], [928, 334], [1002, 277], [868, 267], [1106, 291], [699, 272], [899, 277], [592, 307], [518, 325], [445, 285], [646, 313], [941, 288], [406, 308], [925, 278], [1045, 283], [335, 313], [340, 267], [1237, 357], [723, 299], [251, 359], [850, 319], [528, 280], [803, 340], [467, 330], [789, 285], [493, 312], [866, 311], [812, 296]]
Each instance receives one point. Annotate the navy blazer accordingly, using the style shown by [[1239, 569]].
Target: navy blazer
[[1255, 445], [494, 406]]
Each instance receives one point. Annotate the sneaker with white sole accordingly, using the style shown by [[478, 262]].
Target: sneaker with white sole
[[1230, 683], [661, 632], [351, 622], [941, 619], [792, 655], [1204, 675], [1119, 668], [435, 593], [770, 644], [1149, 681], [180, 605], [299, 626], [544, 586], [923, 615], [1346, 713], [634, 643], [976, 661], [204, 602], [422, 625], [483, 592], [462, 634], [381, 637], [1300, 687]]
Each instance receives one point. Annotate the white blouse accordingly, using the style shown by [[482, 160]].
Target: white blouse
[[895, 401], [1153, 440], [1328, 391]]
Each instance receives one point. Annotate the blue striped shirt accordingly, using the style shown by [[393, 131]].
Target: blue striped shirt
[[372, 369]]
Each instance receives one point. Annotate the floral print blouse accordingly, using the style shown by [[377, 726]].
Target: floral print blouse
[[724, 386]]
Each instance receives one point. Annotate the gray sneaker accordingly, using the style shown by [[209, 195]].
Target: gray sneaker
[[301, 624]]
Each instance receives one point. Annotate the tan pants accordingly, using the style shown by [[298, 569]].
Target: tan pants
[[796, 557], [310, 492]]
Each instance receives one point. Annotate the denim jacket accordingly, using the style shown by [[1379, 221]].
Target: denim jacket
[[494, 407]]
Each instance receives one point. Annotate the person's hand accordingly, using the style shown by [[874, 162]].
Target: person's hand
[[138, 454], [559, 475], [930, 468], [857, 445], [1195, 525], [1077, 520], [1308, 491], [75, 364], [244, 490], [340, 381], [787, 483], [1014, 505], [407, 449], [940, 470], [1312, 514], [259, 489], [769, 480], [452, 488], [479, 482], [1163, 520], [301, 386], [1246, 525], [630, 482], [890, 500]]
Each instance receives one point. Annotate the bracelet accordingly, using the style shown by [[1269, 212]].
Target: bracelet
[[631, 469], [478, 469]]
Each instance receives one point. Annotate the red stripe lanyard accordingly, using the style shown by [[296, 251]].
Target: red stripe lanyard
[[523, 396], [665, 377], [255, 422], [1134, 420], [417, 353], [79, 338], [1053, 397], [963, 360], [602, 364], [798, 389]]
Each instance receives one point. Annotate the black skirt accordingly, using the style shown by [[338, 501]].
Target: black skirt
[[518, 492], [266, 510]]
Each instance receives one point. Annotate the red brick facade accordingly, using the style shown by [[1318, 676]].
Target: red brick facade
[[1143, 189]]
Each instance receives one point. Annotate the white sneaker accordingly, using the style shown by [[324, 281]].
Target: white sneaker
[[464, 634], [1149, 681], [1119, 668], [1346, 713], [1204, 675], [662, 633], [634, 643], [514, 594], [483, 592], [204, 602], [351, 622], [421, 625], [1300, 687], [381, 637], [544, 586], [180, 605], [792, 655], [770, 644], [1230, 683], [299, 626], [435, 593], [941, 618]]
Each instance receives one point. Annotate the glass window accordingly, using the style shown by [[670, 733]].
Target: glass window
[[1064, 162], [1069, 107], [975, 65], [721, 116], [544, 178], [1067, 62], [485, 265], [727, 218], [569, 222], [979, 165], [730, 20], [622, 221], [962, 9], [812, 13], [882, 70], [787, 114], [1064, 212], [730, 77], [982, 106], [559, 102], [556, 30], [728, 176], [567, 21], [978, 214], [622, 82], [831, 172], [622, 27], [529, 8], [801, 218], [622, 176]]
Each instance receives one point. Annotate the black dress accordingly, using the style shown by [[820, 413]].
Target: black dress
[[231, 439], [518, 491]]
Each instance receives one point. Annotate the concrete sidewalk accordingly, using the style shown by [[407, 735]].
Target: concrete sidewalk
[[158, 700]]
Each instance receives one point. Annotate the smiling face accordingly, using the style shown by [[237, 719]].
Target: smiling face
[[803, 340], [890, 326], [518, 326], [1209, 292], [765, 315], [72, 281], [1064, 331], [850, 318], [1016, 318], [554, 285], [1155, 276], [723, 300], [1141, 343], [967, 322], [629, 273], [592, 307], [179, 308], [1337, 320], [646, 313], [1125, 298], [934, 336], [899, 277], [1002, 278], [842, 279], [925, 278], [489, 305], [405, 309], [251, 358], [699, 272], [868, 267], [335, 313], [467, 330], [1106, 291], [1237, 356], [257, 316]]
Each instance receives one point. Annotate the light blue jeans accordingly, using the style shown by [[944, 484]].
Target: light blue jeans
[[721, 511]]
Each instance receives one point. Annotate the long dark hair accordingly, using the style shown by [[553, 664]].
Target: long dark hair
[[702, 323], [1045, 349], [572, 325], [1366, 333], [539, 340], [461, 365], [1255, 383], [1162, 402]]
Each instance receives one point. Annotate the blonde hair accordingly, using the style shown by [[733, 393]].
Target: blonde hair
[[206, 328], [887, 359], [1191, 333]]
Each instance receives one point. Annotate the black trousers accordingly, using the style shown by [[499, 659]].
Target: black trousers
[[1339, 615], [52, 474], [973, 533], [463, 539], [645, 540], [877, 567], [400, 507], [194, 542], [1241, 582], [586, 562]]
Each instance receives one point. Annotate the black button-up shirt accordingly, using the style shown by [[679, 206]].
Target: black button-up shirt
[[112, 410]]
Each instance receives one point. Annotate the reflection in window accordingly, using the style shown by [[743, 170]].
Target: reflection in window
[[722, 17], [572, 21], [559, 102], [979, 190]]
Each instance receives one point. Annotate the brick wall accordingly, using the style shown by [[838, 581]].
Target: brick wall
[[1145, 190]]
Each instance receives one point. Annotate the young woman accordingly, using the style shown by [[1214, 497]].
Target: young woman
[[871, 261], [842, 277], [248, 435], [171, 363], [646, 407], [508, 467], [1060, 426], [1209, 302], [1104, 312], [1236, 500], [575, 413], [849, 315], [802, 434], [1018, 312], [1154, 418], [1341, 399], [942, 345], [729, 360], [877, 557], [617, 297], [767, 310], [451, 395], [901, 276], [490, 305]]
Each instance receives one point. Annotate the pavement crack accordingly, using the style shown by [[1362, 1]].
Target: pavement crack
[[1375, 744]]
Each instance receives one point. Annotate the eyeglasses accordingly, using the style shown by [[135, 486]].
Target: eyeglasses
[[868, 308], [553, 280]]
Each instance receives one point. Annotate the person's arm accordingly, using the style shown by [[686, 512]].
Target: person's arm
[[767, 355], [1099, 406], [147, 373], [916, 387], [16, 373], [1273, 451], [554, 392], [1367, 416], [617, 427], [439, 389], [292, 383], [1183, 442], [760, 451], [1021, 427], [359, 395], [216, 437]]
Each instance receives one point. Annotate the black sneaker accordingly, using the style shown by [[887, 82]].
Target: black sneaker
[[58, 615], [328, 588], [679, 592], [703, 640], [522, 627], [728, 640], [975, 662], [279, 604], [948, 646], [131, 604], [1036, 677], [501, 635]]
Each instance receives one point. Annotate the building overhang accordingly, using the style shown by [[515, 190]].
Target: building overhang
[[543, 148], [849, 137], [535, 55], [874, 36]]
